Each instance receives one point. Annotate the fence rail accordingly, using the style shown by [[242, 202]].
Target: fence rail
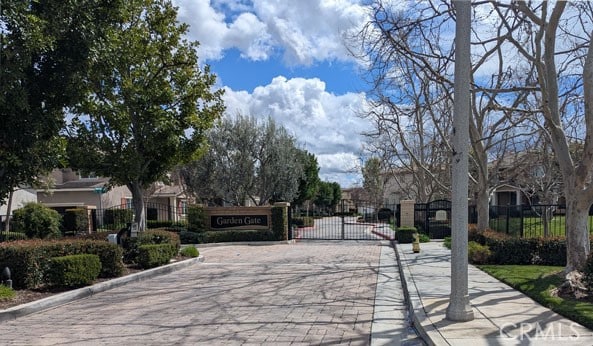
[[517, 220]]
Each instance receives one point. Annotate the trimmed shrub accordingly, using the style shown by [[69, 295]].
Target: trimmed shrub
[[477, 253], [76, 221], [37, 221], [405, 235], [29, 260], [506, 249], [189, 251], [100, 235], [447, 242], [74, 270], [154, 255], [187, 237], [550, 252], [149, 237], [237, 236]]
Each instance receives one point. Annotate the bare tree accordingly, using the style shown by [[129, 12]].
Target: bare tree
[[555, 39], [409, 51]]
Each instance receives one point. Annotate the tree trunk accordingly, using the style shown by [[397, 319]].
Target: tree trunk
[[577, 234], [138, 202], [8, 211], [483, 207]]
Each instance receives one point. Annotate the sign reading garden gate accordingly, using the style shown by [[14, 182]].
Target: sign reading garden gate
[[238, 218], [234, 221]]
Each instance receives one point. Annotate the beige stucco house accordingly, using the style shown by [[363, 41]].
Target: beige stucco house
[[70, 189]]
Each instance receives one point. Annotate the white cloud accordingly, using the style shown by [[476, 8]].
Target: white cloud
[[325, 124], [305, 31]]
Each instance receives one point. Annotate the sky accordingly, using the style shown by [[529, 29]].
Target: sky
[[289, 60]]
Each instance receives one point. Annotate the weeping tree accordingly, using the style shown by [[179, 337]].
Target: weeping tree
[[149, 105]]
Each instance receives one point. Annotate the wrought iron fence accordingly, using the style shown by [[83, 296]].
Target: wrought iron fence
[[529, 221]]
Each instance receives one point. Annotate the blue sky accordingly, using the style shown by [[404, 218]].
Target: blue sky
[[288, 60]]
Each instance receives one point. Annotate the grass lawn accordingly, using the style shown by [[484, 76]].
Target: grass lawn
[[537, 282]]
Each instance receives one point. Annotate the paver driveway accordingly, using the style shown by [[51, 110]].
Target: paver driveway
[[318, 293]]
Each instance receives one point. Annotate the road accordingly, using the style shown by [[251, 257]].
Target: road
[[331, 228], [292, 294]]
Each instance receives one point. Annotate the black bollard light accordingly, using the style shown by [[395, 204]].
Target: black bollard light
[[6, 280]]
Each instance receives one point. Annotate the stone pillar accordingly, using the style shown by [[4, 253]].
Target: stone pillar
[[407, 213], [280, 220]]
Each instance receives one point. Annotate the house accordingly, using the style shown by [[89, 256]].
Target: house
[[20, 197], [74, 189]]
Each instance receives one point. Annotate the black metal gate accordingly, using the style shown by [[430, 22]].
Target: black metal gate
[[433, 218], [348, 220]]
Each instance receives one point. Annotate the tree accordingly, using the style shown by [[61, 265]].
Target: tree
[[149, 103], [46, 48], [328, 196], [309, 182], [373, 182], [409, 51], [246, 161], [555, 38]]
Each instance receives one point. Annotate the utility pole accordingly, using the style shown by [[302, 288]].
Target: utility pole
[[459, 308]]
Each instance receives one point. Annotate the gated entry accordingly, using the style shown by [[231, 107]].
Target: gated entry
[[349, 220]]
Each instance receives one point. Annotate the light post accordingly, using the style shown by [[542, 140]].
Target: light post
[[459, 308]]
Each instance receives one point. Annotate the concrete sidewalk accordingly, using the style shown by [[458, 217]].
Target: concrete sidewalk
[[503, 316]]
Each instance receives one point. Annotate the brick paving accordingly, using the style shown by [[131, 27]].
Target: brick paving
[[320, 293]]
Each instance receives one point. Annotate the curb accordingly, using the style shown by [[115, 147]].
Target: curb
[[420, 321], [69, 296]]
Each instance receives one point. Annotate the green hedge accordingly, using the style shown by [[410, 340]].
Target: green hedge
[[73, 270], [154, 255], [237, 236], [76, 221], [187, 237], [149, 237], [506, 249], [405, 235], [29, 260]]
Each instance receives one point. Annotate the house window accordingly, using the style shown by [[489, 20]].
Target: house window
[[82, 174], [182, 208], [126, 203]]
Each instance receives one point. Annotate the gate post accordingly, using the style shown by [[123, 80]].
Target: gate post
[[280, 221], [407, 213], [343, 222]]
